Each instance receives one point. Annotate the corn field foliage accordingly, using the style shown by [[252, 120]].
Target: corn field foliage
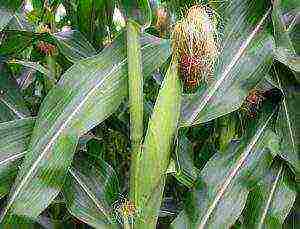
[[149, 114]]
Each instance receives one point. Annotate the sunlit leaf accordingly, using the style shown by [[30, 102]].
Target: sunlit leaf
[[89, 183]]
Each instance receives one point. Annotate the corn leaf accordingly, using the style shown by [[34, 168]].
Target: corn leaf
[[12, 104], [7, 8], [288, 125], [74, 45], [90, 189], [271, 200], [186, 173], [220, 194], [86, 95], [15, 136], [89, 184], [285, 51]]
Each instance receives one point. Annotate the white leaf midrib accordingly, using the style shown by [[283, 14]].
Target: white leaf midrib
[[12, 158], [11, 107], [228, 69], [60, 130], [261, 222], [232, 174], [52, 141], [90, 194]]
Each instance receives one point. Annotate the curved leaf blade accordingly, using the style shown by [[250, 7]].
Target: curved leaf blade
[[270, 201], [86, 95], [285, 51], [74, 45], [87, 192], [15, 136], [229, 190], [220, 194]]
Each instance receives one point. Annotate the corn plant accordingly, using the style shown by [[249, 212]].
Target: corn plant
[[149, 114]]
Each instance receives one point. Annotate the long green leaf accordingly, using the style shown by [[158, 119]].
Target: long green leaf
[[88, 189], [154, 159], [86, 94], [270, 201], [285, 52], [221, 192], [288, 123], [74, 45], [34, 65], [244, 60], [89, 184], [15, 136]]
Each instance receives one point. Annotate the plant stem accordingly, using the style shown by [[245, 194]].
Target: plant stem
[[135, 98]]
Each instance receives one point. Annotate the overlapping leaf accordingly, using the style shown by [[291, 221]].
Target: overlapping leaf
[[15, 136], [88, 184], [221, 192], [90, 190], [7, 8], [271, 200], [86, 94], [186, 173], [285, 51], [288, 123], [74, 45], [12, 105]]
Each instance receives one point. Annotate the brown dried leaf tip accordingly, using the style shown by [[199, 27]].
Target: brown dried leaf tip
[[253, 103], [194, 39]]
